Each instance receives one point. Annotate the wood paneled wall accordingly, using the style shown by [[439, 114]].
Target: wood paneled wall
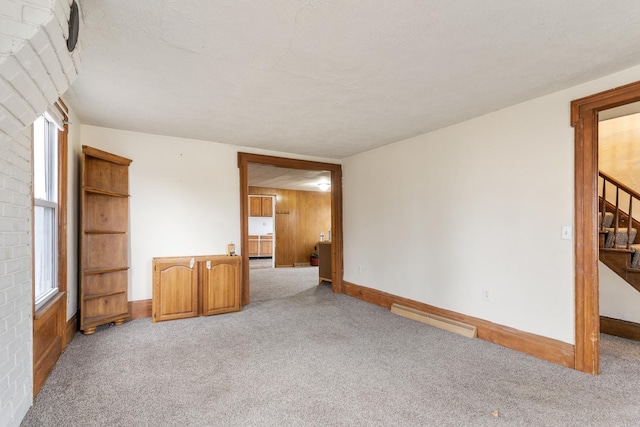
[[300, 218]]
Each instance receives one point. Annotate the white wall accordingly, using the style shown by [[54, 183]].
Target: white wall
[[618, 299], [474, 206], [74, 148], [185, 197], [260, 225]]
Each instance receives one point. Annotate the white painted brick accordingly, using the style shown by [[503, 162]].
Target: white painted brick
[[21, 252], [49, 90], [10, 211], [13, 265], [63, 20], [65, 58], [26, 88], [5, 394], [5, 282], [22, 151], [36, 15], [15, 219], [12, 293], [66, 8], [14, 347], [55, 32], [10, 68], [6, 338], [41, 3], [9, 9], [24, 277], [8, 44], [20, 373], [10, 239], [17, 106], [52, 64], [21, 199], [29, 60], [5, 90], [15, 29], [6, 196], [39, 40]]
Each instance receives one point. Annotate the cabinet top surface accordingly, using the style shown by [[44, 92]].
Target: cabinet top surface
[[197, 257]]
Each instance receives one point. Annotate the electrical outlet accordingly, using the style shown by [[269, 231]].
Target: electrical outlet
[[567, 232], [485, 295]]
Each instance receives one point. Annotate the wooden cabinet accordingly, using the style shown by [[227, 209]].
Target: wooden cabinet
[[104, 239], [195, 286], [220, 285], [324, 261], [266, 246], [175, 288], [260, 246], [254, 246], [260, 206]]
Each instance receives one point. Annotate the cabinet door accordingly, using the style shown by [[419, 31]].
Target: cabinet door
[[255, 206], [266, 247], [267, 206], [253, 246], [175, 289], [220, 282]]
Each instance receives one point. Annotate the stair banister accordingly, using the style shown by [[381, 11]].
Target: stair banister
[[632, 195]]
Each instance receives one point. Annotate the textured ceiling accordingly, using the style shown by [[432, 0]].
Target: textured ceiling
[[288, 179], [335, 78]]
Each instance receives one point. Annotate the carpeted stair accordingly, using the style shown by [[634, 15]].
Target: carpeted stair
[[614, 252]]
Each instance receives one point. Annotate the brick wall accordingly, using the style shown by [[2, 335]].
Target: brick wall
[[35, 65], [35, 69], [15, 278]]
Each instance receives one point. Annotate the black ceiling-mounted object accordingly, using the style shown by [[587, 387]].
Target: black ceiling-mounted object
[[74, 26]]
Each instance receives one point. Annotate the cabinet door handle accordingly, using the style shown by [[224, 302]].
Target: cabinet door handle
[[192, 262], [208, 265]]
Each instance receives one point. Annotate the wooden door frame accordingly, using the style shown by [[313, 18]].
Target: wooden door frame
[[336, 211], [584, 119]]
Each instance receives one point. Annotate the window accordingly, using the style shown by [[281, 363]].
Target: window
[[45, 195]]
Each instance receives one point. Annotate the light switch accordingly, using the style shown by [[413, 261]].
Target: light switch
[[567, 232]]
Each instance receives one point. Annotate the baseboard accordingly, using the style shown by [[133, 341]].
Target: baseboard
[[72, 328], [541, 347], [620, 328], [139, 309]]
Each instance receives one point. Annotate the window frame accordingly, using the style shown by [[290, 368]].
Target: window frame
[[61, 221], [52, 192]]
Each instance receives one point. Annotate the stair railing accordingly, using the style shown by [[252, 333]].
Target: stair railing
[[632, 195]]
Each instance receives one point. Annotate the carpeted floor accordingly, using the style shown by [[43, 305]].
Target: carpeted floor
[[256, 263], [301, 355]]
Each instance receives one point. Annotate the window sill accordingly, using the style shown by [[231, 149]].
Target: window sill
[[54, 301]]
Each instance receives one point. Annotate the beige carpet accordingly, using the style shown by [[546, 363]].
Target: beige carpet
[[300, 355]]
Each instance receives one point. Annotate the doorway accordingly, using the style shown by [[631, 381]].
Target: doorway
[[584, 119], [335, 170]]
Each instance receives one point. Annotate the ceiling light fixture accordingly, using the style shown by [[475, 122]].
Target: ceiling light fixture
[[324, 186]]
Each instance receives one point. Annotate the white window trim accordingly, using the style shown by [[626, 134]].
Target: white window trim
[[47, 296]]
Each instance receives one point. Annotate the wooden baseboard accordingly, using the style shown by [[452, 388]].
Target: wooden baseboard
[[71, 329], [139, 309], [620, 328], [544, 348]]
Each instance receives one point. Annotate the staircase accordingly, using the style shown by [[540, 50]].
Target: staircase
[[619, 242]]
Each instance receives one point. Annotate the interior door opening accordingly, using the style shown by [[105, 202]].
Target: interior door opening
[[584, 119], [283, 215]]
